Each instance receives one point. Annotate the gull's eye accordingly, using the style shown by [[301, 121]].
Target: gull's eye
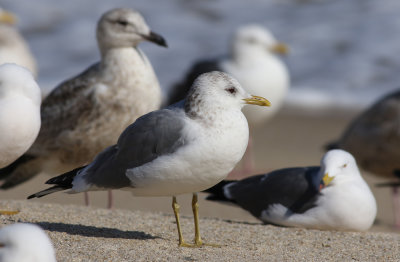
[[231, 90], [251, 40], [344, 166], [122, 22]]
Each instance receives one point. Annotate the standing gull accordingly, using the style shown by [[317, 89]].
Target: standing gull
[[87, 113], [374, 140], [185, 148], [332, 196], [25, 243], [13, 47], [254, 63]]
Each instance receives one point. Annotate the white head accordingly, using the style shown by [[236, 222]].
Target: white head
[[254, 40], [124, 27], [25, 243], [15, 79], [339, 166], [218, 90]]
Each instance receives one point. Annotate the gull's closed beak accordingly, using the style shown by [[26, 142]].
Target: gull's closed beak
[[156, 38], [280, 48], [257, 100], [7, 17], [327, 179]]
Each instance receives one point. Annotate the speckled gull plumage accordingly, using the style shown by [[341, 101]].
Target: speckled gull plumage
[[87, 113]]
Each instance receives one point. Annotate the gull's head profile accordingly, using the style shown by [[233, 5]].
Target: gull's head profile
[[15, 79], [124, 27], [219, 91], [339, 166], [255, 40], [25, 242]]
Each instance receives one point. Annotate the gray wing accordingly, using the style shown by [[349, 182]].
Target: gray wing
[[295, 188], [64, 106], [153, 135]]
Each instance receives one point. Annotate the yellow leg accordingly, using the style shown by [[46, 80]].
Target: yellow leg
[[8, 213], [195, 208], [197, 238], [175, 207]]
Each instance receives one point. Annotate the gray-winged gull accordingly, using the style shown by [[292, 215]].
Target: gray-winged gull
[[23, 242], [374, 139], [332, 196], [185, 148], [13, 47], [85, 114], [253, 61]]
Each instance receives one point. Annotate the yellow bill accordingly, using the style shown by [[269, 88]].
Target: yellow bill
[[7, 17], [280, 48], [327, 179], [257, 100]]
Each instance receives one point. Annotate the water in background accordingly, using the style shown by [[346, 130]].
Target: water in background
[[343, 52]]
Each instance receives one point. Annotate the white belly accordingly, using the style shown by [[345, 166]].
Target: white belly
[[201, 164]]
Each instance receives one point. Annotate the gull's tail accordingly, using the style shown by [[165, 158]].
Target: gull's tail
[[218, 193], [61, 182]]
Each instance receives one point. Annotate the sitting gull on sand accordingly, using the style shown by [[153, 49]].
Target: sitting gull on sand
[[13, 47], [85, 114], [333, 196], [185, 148], [374, 140], [254, 63], [25, 243]]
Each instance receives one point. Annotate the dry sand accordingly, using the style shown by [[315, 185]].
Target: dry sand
[[288, 140], [94, 234]]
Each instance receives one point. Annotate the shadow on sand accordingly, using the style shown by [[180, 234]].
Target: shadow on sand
[[92, 231]]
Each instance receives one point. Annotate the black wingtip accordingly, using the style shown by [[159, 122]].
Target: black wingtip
[[217, 191], [8, 170], [388, 184]]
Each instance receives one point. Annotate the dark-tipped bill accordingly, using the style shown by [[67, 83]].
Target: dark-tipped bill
[[280, 48], [257, 100], [156, 38]]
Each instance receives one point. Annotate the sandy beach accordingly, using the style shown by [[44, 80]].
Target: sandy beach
[[95, 234], [143, 229]]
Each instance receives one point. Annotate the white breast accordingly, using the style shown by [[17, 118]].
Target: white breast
[[206, 160], [19, 127]]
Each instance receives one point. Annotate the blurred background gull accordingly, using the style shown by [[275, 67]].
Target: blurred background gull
[[342, 59]]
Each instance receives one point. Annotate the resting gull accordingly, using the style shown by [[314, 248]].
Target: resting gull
[[185, 148], [374, 139], [23, 242], [85, 114], [13, 47], [254, 63], [332, 196]]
